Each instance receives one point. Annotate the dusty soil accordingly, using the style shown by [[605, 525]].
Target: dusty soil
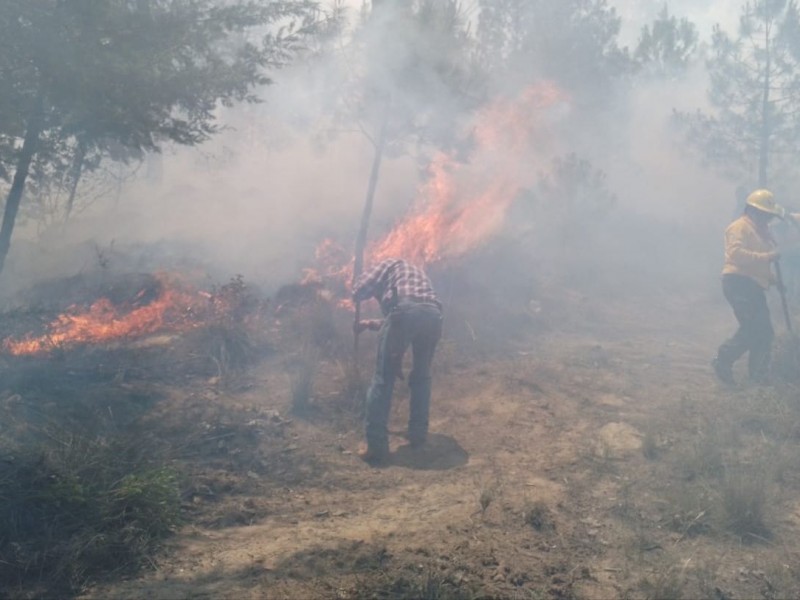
[[594, 460]]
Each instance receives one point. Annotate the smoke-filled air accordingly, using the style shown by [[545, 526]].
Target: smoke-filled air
[[395, 299]]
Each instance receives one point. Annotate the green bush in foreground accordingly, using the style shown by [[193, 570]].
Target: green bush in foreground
[[78, 509]]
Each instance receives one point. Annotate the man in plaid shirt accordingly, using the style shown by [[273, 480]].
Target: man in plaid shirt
[[413, 317]]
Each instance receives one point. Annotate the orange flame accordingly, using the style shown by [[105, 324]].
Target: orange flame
[[463, 204], [102, 322]]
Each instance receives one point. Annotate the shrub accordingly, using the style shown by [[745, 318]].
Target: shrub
[[744, 503], [77, 508]]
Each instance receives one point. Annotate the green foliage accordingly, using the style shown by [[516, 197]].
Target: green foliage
[[113, 70], [666, 48], [79, 508], [750, 132], [572, 42], [86, 80]]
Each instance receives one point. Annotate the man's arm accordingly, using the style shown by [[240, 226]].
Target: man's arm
[[737, 247]]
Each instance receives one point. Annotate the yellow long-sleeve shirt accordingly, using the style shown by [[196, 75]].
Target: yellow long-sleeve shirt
[[748, 252]]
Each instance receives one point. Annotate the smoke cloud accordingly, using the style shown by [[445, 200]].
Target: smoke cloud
[[283, 175]]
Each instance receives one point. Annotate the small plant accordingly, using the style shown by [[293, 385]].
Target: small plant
[[486, 498], [488, 490], [650, 445], [703, 456], [102, 255], [302, 369], [538, 516], [353, 387], [232, 316], [689, 505], [82, 507], [744, 502]]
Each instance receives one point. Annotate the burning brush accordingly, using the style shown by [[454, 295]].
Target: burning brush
[[165, 304]]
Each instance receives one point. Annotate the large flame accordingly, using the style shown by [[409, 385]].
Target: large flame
[[463, 204], [174, 308]]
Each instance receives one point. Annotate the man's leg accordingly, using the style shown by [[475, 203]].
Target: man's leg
[[742, 295], [427, 334], [379, 396]]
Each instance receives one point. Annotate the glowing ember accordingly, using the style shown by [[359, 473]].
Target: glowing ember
[[102, 322], [463, 204]]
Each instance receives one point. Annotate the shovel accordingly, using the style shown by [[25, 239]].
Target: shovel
[[782, 291]]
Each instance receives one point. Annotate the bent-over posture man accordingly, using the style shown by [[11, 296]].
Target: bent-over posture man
[[750, 251], [412, 317]]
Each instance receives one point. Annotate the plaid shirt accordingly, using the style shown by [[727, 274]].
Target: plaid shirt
[[394, 280]]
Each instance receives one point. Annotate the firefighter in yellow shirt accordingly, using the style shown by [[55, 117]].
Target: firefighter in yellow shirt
[[750, 251]]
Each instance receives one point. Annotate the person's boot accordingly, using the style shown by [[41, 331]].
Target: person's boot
[[375, 455], [416, 439], [724, 371]]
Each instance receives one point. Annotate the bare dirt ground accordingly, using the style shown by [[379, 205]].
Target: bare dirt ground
[[599, 459]]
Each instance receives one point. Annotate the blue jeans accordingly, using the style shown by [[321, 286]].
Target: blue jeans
[[409, 324]]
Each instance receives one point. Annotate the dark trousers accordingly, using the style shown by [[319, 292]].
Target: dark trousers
[[409, 324], [755, 333]]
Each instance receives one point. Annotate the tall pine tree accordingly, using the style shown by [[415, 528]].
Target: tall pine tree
[[750, 131]]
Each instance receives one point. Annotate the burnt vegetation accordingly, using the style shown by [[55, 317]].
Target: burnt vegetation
[[90, 484]]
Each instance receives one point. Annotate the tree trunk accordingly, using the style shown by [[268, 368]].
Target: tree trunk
[[361, 239], [766, 121], [75, 177], [29, 149]]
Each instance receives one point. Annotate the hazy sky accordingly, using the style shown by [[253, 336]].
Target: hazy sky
[[703, 13], [636, 13]]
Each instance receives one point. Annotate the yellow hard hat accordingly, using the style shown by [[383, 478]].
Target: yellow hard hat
[[764, 201]]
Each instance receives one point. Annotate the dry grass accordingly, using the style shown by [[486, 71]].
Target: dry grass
[[302, 368], [704, 455], [743, 503], [667, 584]]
